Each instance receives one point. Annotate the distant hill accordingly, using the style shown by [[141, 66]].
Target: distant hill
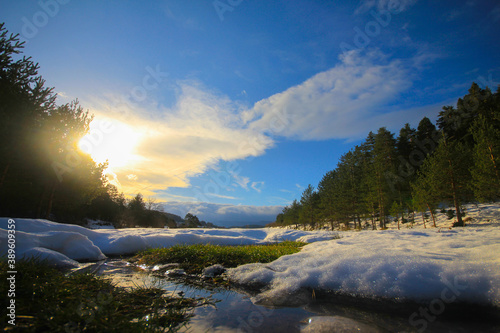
[[174, 217]]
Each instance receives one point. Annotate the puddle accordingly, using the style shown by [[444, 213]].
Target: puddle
[[235, 312]]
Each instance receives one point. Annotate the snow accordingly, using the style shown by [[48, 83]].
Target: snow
[[390, 264], [64, 244], [416, 264], [409, 264]]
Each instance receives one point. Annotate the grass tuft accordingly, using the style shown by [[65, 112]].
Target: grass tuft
[[193, 258]]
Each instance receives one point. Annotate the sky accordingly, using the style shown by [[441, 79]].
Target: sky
[[229, 109]]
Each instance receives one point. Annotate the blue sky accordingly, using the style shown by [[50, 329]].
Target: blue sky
[[229, 109]]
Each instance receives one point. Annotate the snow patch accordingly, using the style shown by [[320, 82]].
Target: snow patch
[[404, 265]]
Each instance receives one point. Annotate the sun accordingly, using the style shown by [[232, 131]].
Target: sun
[[113, 141]]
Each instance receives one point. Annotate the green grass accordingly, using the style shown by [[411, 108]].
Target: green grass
[[193, 258], [49, 301]]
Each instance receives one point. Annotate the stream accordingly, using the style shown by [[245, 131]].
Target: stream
[[234, 311]]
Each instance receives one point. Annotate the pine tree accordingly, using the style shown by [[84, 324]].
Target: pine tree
[[406, 171], [424, 191], [291, 213], [485, 171], [368, 179], [310, 203], [328, 198], [384, 167], [446, 174]]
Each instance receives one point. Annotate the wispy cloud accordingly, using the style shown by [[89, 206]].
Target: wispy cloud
[[257, 186], [344, 102], [240, 180], [222, 196]]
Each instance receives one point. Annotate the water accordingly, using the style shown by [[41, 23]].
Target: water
[[235, 311]]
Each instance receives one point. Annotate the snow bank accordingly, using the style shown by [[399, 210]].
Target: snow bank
[[419, 265], [62, 244], [60, 248]]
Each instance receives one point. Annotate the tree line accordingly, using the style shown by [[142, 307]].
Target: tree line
[[43, 173], [421, 170]]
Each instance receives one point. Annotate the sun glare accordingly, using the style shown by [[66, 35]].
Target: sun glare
[[111, 140]]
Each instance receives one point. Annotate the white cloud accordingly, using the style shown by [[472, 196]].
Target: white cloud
[[343, 102], [257, 186], [202, 129], [240, 180], [221, 196]]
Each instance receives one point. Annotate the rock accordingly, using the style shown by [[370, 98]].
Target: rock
[[213, 271]]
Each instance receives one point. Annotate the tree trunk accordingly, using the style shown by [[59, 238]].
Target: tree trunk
[[432, 214], [423, 219], [373, 217], [459, 222], [454, 190], [493, 161]]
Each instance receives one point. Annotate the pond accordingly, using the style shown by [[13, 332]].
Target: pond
[[234, 311]]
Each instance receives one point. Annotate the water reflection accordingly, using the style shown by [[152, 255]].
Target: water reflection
[[235, 311]]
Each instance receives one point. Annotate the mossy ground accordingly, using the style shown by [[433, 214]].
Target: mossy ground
[[193, 258]]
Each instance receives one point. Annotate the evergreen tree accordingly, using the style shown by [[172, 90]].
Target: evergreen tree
[[485, 171], [70, 179], [425, 191], [369, 180], [406, 147], [446, 173], [457, 122], [291, 213], [24, 100], [328, 194], [384, 162], [427, 138], [191, 221], [309, 202], [349, 177]]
